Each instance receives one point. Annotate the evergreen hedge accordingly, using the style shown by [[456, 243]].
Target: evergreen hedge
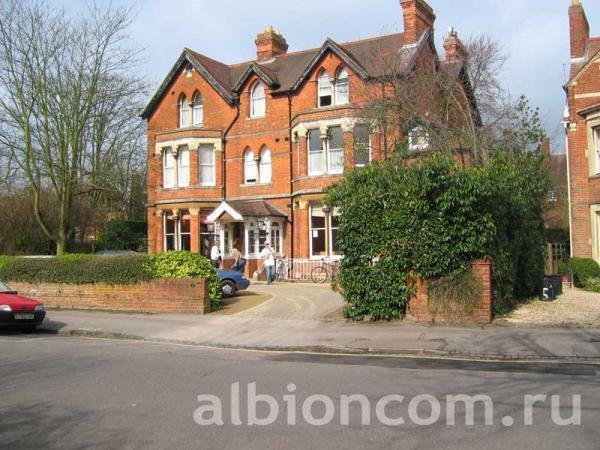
[[118, 270], [431, 219]]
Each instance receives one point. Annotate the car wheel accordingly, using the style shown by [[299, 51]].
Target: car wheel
[[229, 288]]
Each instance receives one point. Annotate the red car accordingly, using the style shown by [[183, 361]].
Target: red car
[[19, 311]]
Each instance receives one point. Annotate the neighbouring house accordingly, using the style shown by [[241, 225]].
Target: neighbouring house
[[582, 124], [241, 154]]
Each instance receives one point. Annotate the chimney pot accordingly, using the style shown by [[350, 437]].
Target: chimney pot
[[269, 44]]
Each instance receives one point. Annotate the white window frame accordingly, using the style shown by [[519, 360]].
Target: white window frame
[[166, 154], [183, 170], [322, 151], [324, 89], [328, 232], [340, 150], [250, 163], [258, 101], [267, 229], [184, 111], [369, 144], [342, 87], [197, 110], [210, 166], [174, 234], [265, 167], [423, 139], [180, 234]]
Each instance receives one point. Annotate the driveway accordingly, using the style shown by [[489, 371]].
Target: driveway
[[296, 301]]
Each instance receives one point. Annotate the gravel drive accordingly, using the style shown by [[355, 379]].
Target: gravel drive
[[575, 308]]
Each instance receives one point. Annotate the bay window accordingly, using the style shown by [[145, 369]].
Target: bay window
[[183, 167], [207, 165], [324, 230], [316, 153], [177, 231], [169, 167], [362, 146], [335, 150]]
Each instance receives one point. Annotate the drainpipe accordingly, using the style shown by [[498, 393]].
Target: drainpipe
[[224, 142], [290, 140]]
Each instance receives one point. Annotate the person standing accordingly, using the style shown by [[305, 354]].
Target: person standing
[[239, 262], [268, 258], [215, 256]]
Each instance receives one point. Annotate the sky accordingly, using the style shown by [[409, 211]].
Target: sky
[[533, 33]]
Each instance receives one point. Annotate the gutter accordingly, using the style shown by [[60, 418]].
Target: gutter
[[291, 146]]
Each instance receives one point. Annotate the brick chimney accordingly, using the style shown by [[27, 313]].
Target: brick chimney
[[418, 18], [269, 44], [580, 29], [454, 48]]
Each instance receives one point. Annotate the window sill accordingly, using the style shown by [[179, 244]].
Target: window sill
[[324, 175], [334, 107], [256, 117], [256, 184]]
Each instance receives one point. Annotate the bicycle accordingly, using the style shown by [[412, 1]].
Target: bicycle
[[327, 270], [281, 272]]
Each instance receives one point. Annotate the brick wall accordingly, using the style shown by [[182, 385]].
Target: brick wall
[[158, 296], [419, 308]]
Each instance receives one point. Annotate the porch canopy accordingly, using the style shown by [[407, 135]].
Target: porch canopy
[[248, 225], [239, 211]]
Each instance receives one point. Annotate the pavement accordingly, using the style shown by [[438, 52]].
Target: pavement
[[295, 319], [77, 393]]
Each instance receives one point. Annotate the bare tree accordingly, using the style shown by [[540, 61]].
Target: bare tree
[[68, 97]]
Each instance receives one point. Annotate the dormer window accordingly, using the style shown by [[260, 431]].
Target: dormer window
[[258, 101], [184, 109], [325, 90], [197, 110], [342, 88]]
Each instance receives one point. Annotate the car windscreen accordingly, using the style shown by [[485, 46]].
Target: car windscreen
[[4, 288]]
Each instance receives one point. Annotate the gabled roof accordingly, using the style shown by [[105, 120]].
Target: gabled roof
[[591, 51], [238, 210], [287, 72]]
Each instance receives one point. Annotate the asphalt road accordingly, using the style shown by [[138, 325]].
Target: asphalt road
[[73, 393]]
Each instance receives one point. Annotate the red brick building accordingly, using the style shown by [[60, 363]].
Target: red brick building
[[241, 154], [583, 136]]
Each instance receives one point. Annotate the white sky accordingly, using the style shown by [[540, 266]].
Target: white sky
[[534, 34]]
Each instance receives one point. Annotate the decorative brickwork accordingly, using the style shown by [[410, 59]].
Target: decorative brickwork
[[158, 296]]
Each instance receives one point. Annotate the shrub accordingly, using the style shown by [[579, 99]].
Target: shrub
[[78, 269], [592, 285], [583, 269], [187, 265], [123, 234], [431, 219], [4, 260]]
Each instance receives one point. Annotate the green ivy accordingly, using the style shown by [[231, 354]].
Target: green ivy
[[431, 219], [584, 270]]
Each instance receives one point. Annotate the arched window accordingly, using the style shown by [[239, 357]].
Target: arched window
[[324, 87], [184, 109], [265, 166], [250, 168], [258, 101], [197, 109], [342, 88]]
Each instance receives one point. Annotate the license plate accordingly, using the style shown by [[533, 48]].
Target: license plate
[[24, 316]]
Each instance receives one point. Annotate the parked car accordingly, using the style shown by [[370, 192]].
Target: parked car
[[232, 282], [16, 310]]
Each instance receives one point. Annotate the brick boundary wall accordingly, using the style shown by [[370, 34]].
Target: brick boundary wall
[[418, 308], [186, 296]]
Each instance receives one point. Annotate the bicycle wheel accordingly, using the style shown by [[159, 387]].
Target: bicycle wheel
[[279, 275], [319, 275]]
